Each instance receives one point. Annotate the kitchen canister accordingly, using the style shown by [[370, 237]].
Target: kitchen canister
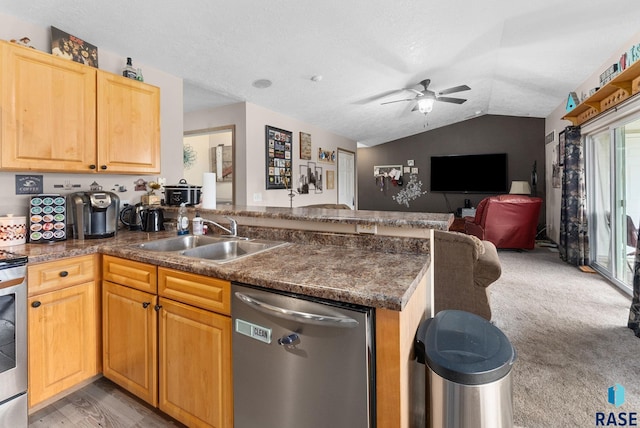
[[13, 230]]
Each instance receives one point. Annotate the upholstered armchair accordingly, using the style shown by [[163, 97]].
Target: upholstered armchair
[[509, 221], [463, 268]]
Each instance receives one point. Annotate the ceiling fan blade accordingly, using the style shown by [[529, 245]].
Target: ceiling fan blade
[[397, 101], [451, 100], [454, 89], [417, 92]]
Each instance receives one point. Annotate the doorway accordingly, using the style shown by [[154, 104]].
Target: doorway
[[347, 178], [211, 150]]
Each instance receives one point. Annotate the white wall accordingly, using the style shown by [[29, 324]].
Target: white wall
[[170, 124], [555, 122], [250, 121]]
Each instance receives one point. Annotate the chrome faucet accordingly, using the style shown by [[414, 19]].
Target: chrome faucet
[[233, 226]]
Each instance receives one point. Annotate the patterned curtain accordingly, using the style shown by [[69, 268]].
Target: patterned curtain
[[634, 312], [574, 240]]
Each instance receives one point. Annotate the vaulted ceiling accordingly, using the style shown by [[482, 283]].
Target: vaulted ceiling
[[518, 58]]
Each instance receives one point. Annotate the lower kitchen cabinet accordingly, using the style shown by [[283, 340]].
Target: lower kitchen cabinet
[[129, 340], [174, 353], [195, 365], [62, 340]]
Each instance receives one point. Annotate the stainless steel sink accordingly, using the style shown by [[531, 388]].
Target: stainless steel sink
[[181, 243], [227, 251]]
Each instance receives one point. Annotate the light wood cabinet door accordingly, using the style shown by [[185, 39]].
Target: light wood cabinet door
[[129, 340], [48, 105], [63, 349], [128, 125], [195, 365]]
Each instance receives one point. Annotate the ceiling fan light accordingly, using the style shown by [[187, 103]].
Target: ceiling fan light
[[426, 105]]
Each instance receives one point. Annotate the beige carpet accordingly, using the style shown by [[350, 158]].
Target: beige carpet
[[569, 329]]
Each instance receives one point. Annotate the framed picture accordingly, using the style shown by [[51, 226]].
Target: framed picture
[[330, 180], [305, 146], [319, 183], [327, 156], [71, 47], [278, 157], [303, 180], [561, 148]]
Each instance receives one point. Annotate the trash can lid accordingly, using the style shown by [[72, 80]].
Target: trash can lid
[[465, 348]]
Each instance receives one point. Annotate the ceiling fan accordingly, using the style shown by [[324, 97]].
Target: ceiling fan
[[427, 97]]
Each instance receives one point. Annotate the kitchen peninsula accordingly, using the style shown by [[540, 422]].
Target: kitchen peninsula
[[376, 259]]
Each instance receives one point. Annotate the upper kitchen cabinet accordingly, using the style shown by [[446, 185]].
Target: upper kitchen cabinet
[[48, 108], [128, 125], [61, 116]]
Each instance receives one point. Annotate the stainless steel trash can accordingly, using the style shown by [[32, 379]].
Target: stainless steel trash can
[[468, 370]]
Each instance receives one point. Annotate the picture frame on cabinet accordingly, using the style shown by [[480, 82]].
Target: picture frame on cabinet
[[68, 46]]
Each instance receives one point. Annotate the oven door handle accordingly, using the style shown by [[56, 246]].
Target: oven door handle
[[11, 282], [290, 314]]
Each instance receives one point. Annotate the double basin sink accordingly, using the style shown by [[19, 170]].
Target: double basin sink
[[210, 248]]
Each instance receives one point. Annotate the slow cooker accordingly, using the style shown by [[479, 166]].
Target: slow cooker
[[182, 192]]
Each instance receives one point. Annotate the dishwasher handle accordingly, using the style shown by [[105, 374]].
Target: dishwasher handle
[[309, 318]]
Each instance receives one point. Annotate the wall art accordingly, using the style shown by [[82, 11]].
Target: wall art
[[71, 47], [278, 157], [310, 178], [326, 156], [305, 146], [330, 180], [561, 147]]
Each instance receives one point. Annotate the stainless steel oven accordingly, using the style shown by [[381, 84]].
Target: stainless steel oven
[[13, 340]]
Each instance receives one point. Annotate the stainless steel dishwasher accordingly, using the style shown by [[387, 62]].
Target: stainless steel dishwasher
[[301, 362]]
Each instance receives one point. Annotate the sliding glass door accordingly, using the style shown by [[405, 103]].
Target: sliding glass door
[[614, 158]]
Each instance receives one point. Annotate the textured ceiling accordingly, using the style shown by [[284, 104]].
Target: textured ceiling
[[519, 58]]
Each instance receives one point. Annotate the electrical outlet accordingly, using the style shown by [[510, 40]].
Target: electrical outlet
[[124, 202], [257, 197]]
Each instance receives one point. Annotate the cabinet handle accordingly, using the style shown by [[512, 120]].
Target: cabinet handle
[[36, 304], [157, 307], [146, 304], [63, 273], [103, 167], [92, 166]]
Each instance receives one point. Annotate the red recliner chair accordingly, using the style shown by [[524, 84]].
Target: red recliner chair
[[508, 221]]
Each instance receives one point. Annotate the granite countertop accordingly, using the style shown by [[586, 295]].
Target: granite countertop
[[382, 277], [440, 221]]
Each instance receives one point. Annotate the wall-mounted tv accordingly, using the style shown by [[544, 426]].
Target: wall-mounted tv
[[486, 173]]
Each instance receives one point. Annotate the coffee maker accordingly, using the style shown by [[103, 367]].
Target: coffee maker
[[94, 214]]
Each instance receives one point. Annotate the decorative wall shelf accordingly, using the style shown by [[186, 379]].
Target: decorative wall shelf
[[620, 88]]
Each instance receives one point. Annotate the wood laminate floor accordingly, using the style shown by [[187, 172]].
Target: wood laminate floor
[[100, 404]]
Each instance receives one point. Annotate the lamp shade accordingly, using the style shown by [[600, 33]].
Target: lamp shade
[[520, 188]]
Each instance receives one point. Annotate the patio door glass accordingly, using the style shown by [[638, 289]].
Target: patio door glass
[[615, 180], [601, 200]]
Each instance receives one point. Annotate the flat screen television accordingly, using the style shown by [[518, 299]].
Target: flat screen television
[[486, 173]]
